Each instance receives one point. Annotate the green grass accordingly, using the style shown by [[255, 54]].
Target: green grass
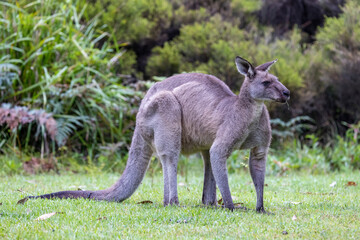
[[323, 212]]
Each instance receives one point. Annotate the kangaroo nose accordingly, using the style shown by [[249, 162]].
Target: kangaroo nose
[[286, 93]]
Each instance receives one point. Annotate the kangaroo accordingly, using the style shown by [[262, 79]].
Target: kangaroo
[[194, 112]]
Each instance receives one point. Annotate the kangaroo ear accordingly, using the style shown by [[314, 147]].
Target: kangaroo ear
[[266, 66], [244, 67]]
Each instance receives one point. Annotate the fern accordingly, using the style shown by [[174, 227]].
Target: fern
[[292, 127]]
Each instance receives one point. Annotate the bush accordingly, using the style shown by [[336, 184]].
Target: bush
[[132, 21], [50, 61], [206, 47], [332, 93], [212, 46]]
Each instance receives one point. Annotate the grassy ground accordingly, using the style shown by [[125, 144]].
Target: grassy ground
[[321, 211]]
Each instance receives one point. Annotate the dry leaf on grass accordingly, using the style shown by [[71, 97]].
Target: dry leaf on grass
[[311, 193], [237, 204], [47, 215], [22, 201], [102, 218], [351, 183], [31, 181], [145, 202]]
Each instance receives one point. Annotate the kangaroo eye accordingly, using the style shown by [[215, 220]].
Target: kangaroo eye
[[266, 83]]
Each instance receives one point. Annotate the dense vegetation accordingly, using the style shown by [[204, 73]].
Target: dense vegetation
[[72, 74]]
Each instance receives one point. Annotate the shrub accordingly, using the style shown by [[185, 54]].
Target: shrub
[[212, 46], [132, 21], [206, 47], [50, 61], [332, 93]]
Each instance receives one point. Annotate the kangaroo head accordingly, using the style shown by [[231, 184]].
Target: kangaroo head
[[260, 84]]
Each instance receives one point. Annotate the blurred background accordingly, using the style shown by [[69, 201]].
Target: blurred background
[[73, 73]]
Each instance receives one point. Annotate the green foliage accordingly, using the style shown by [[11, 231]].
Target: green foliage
[[343, 33], [282, 130], [296, 156], [211, 47], [205, 47], [340, 155], [67, 59], [331, 79], [166, 61], [346, 153], [183, 16], [130, 20], [53, 60], [245, 5]]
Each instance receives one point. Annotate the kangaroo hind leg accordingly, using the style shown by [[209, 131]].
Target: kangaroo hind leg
[[209, 190], [165, 120]]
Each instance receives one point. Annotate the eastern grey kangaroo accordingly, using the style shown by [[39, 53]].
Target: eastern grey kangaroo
[[193, 112]]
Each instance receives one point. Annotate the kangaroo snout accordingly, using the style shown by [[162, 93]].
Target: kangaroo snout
[[286, 93], [285, 96]]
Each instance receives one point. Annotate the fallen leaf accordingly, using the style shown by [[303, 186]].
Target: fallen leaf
[[311, 193], [220, 201], [144, 202], [351, 183], [79, 189], [238, 204], [294, 218], [47, 215], [102, 218], [22, 201], [333, 184], [31, 181], [266, 185], [0, 203]]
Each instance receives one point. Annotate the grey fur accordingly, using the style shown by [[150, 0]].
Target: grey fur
[[194, 112]]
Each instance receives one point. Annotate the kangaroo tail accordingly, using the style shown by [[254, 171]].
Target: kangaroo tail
[[137, 164]]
